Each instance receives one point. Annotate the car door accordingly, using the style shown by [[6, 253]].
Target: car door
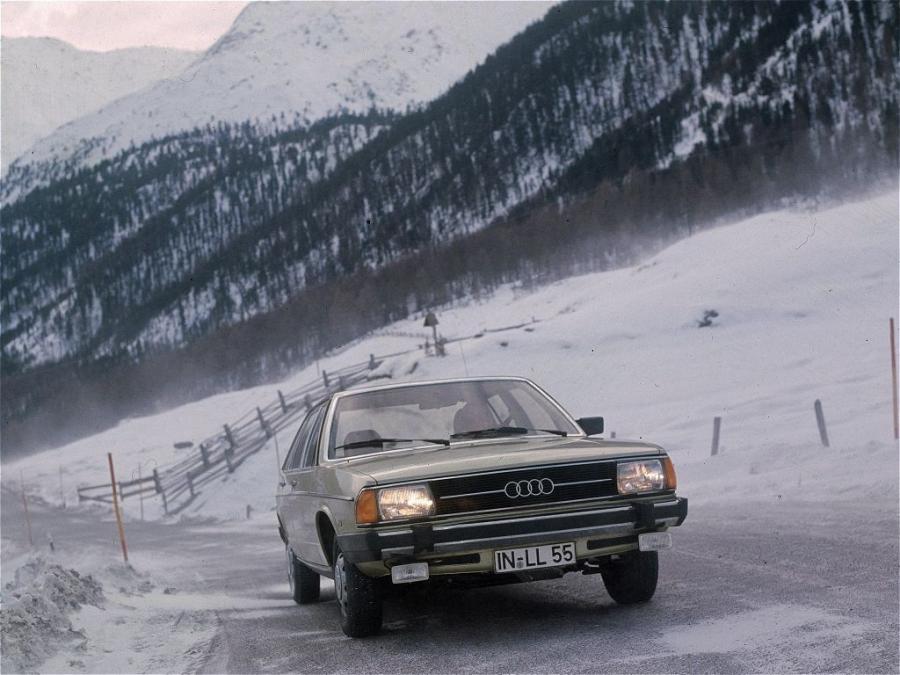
[[288, 507], [301, 497]]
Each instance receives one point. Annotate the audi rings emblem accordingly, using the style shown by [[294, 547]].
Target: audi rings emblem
[[529, 488]]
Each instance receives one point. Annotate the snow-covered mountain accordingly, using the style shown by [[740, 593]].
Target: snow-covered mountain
[[177, 238], [300, 61], [48, 82], [227, 253]]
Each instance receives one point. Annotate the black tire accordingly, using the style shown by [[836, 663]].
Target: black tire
[[303, 581], [632, 578], [359, 599]]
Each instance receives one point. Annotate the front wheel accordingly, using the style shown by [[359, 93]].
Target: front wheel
[[359, 599], [304, 582], [632, 578]]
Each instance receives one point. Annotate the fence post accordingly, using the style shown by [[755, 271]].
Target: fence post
[[307, 402], [894, 380], [341, 385], [717, 425], [141, 488], [325, 378], [229, 436], [227, 455], [112, 480], [262, 423], [62, 493], [204, 454], [160, 491], [190, 482], [372, 362], [282, 401], [820, 420]]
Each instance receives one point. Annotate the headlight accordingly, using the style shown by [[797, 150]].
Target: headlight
[[394, 503], [645, 475]]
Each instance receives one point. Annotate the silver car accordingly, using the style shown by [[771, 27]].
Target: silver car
[[478, 480]]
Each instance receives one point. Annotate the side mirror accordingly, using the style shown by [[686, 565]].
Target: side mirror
[[591, 425]]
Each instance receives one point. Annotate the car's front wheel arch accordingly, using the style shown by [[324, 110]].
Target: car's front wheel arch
[[326, 532]]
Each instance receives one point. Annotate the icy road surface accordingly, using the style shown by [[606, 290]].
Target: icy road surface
[[755, 587]]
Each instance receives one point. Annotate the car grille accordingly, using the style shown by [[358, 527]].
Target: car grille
[[524, 487]]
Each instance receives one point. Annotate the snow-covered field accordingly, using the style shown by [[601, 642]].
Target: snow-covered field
[[802, 300]]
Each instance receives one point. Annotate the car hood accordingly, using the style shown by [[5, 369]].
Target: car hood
[[481, 455]]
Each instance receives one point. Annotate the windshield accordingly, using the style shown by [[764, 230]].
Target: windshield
[[435, 413]]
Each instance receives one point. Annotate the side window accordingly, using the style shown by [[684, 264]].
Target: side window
[[293, 457], [312, 440], [531, 409], [501, 410]]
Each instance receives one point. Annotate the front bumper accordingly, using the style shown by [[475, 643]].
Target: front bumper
[[436, 538]]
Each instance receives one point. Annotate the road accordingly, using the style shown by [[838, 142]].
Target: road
[[759, 587]]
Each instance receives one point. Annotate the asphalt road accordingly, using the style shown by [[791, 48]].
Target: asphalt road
[[748, 588]]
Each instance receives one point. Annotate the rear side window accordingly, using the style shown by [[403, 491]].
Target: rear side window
[[299, 443], [309, 456]]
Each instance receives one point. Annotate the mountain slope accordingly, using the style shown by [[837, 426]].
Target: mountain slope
[[48, 83], [285, 62], [131, 256], [800, 317]]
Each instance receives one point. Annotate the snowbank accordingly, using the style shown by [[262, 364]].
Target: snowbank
[[99, 616], [34, 619]]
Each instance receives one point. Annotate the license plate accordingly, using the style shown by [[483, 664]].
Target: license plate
[[654, 541], [531, 557], [407, 574]]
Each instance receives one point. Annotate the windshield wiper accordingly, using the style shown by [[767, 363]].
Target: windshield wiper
[[382, 441], [505, 431]]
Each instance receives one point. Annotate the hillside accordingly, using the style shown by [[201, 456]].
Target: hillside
[[282, 63], [803, 299], [598, 133], [48, 83]]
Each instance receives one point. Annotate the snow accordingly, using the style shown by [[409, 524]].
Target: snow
[[48, 82], [77, 612], [304, 60], [37, 615], [778, 627], [691, 135], [803, 299]]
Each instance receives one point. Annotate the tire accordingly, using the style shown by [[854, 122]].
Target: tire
[[304, 583], [632, 579], [359, 599]]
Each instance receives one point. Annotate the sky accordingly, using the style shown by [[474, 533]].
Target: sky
[[102, 26]]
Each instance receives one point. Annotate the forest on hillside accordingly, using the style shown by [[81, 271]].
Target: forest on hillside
[[228, 256]]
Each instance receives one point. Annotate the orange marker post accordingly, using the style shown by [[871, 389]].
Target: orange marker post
[[115, 500]]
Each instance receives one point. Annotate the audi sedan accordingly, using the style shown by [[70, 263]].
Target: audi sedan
[[478, 481]]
